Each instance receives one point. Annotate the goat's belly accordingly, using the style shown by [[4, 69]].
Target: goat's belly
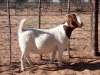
[[44, 50], [44, 46]]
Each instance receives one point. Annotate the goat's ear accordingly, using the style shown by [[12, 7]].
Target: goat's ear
[[67, 22], [70, 21]]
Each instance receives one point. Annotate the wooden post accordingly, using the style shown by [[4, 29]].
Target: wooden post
[[15, 8], [39, 14], [61, 4], [95, 26], [68, 12], [9, 23], [68, 7], [40, 20], [92, 27]]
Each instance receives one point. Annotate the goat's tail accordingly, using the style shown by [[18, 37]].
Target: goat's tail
[[20, 29]]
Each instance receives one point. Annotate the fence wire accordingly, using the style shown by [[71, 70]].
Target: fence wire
[[52, 14]]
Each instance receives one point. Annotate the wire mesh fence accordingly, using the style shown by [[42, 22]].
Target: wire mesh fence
[[52, 14]]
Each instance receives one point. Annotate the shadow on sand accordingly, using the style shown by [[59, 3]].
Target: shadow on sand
[[92, 64]]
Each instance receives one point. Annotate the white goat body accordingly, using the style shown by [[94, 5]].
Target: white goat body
[[46, 40]]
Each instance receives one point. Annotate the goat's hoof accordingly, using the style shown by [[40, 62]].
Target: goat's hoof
[[23, 69]]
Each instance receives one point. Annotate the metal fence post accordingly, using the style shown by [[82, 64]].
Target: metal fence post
[[9, 23]]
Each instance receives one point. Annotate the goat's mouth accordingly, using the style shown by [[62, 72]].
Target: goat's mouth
[[80, 25]]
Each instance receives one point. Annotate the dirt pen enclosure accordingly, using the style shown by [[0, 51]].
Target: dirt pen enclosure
[[83, 61]]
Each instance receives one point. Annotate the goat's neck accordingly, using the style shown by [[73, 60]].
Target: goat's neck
[[68, 31]]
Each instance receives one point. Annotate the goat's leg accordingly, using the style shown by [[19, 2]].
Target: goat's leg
[[22, 61], [53, 56], [28, 58], [60, 52]]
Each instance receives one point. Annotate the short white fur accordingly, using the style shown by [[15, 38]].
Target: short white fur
[[78, 19], [42, 41]]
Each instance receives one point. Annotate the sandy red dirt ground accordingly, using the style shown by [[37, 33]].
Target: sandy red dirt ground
[[83, 61]]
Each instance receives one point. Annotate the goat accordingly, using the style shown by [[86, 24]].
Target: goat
[[42, 41]]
